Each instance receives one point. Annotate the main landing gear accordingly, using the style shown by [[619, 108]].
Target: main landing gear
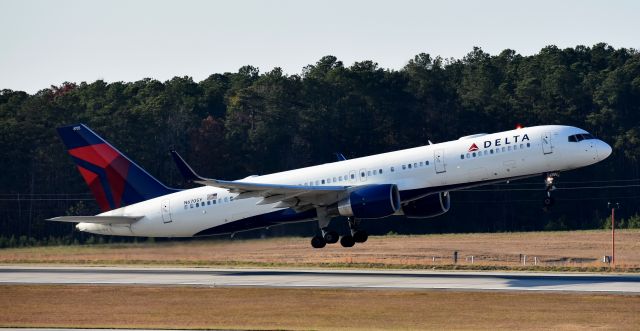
[[549, 200], [356, 235]]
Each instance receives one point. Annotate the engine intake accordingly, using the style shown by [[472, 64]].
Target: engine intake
[[373, 201], [429, 206]]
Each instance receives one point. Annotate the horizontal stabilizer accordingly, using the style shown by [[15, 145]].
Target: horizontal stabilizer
[[97, 219]]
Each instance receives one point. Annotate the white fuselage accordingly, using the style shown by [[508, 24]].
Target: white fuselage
[[417, 172]]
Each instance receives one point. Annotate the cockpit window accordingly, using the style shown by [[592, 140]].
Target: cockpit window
[[580, 137]]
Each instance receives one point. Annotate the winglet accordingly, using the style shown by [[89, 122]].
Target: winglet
[[186, 171], [339, 156]]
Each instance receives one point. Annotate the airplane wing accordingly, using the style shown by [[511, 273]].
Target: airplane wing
[[97, 219], [283, 195]]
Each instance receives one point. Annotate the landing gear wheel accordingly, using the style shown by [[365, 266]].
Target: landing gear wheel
[[331, 237], [318, 242], [347, 241], [360, 236], [548, 201], [548, 181]]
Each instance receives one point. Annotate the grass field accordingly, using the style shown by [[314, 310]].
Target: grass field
[[256, 308], [575, 250]]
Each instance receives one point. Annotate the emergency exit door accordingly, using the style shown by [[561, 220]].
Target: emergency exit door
[[438, 160], [166, 211], [547, 146]]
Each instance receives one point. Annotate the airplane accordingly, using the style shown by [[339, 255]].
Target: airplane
[[414, 182]]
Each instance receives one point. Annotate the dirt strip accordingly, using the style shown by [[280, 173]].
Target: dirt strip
[[551, 250], [254, 308]]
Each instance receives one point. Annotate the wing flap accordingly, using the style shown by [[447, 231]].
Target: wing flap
[[97, 219]]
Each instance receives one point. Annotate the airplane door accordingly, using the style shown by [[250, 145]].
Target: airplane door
[[166, 211], [547, 146], [438, 156], [352, 176]]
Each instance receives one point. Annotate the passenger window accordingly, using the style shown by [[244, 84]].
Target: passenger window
[[515, 147], [375, 172], [485, 152], [322, 182], [392, 169], [528, 145], [509, 148], [369, 173], [490, 151], [504, 149], [209, 203], [461, 156], [427, 163], [340, 178], [317, 182], [186, 207], [213, 201], [409, 165], [226, 199], [468, 155], [404, 167], [380, 171], [353, 176], [334, 179], [362, 174], [415, 165], [473, 154], [197, 204], [191, 205], [521, 146], [421, 163]]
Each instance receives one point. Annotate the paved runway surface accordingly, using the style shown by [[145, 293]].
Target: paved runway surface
[[505, 281]]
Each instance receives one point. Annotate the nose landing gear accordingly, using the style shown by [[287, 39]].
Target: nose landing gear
[[549, 200]]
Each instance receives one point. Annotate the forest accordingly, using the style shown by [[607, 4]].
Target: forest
[[232, 125]]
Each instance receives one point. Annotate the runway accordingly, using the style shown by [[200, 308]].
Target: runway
[[319, 278]]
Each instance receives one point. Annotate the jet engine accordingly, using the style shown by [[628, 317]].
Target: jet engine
[[373, 201], [429, 206]]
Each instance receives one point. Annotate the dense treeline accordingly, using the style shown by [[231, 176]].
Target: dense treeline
[[233, 125]]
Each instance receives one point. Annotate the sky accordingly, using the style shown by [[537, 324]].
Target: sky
[[44, 43]]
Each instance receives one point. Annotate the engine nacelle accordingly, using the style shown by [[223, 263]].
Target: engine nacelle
[[373, 201], [429, 206]]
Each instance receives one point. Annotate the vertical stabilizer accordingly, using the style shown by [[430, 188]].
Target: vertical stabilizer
[[113, 178]]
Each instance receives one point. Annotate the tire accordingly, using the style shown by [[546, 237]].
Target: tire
[[360, 236], [347, 241], [548, 201], [331, 237], [318, 242]]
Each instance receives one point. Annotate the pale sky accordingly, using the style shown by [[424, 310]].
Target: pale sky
[[49, 42]]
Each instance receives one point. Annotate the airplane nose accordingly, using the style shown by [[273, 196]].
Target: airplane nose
[[604, 150]]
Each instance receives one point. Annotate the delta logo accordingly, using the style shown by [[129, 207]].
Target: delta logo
[[500, 142]]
